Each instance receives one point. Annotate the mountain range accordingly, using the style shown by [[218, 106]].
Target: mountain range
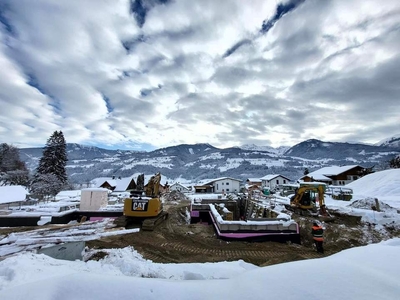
[[193, 163]]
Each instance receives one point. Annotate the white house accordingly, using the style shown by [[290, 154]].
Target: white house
[[179, 187], [271, 181], [225, 185]]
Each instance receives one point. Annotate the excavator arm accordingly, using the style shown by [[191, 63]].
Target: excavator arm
[[307, 195]]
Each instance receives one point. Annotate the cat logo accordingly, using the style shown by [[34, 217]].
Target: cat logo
[[139, 205]]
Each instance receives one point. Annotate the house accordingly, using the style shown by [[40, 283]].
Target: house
[[254, 181], [12, 195], [179, 187], [272, 181], [335, 175], [119, 184], [204, 188], [220, 186]]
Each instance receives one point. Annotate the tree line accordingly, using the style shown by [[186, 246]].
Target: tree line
[[49, 178]]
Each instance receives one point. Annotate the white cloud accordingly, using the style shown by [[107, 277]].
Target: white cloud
[[187, 74]]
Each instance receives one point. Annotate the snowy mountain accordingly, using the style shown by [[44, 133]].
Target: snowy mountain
[[393, 142], [204, 161], [253, 147]]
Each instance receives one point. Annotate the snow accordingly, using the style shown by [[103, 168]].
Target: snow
[[14, 193], [369, 272], [68, 194], [328, 171], [384, 185]]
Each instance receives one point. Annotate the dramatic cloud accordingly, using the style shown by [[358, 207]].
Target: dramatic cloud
[[139, 74]]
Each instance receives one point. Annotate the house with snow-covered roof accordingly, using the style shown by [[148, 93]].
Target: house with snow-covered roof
[[272, 181], [335, 175], [119, 184], [220, 185], [176, 186], [254, 181]]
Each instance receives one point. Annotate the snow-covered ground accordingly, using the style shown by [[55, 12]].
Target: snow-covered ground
[[369, 272]]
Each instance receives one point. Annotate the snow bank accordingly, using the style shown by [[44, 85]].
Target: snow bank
[[384, 185], [369, 272]]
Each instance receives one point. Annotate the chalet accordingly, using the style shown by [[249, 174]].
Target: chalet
[[220, 186], [272, 181], [335, 175], [118, 184], [179, 187], [254, 181], [204, 188]]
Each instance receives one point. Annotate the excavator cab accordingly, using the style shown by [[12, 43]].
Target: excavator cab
[[144, 205], [306, 198]]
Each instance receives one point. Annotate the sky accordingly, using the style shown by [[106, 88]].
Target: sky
[[147, 74]]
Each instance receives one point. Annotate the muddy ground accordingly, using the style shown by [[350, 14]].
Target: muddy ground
[[175, 241]]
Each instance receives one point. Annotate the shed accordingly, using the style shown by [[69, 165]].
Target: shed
[[93, 199]]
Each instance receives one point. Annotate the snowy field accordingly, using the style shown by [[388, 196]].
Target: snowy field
[[369, 272]]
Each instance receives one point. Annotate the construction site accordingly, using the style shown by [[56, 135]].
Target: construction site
[[177, 240], [178, 228]]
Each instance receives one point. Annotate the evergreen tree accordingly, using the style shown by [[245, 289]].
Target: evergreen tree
[[54, 158], [45, 185], [394, 163], [306, 171], [13, 171]]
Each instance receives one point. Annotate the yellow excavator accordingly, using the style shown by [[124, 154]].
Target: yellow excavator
[[304, 202], [146, 209]]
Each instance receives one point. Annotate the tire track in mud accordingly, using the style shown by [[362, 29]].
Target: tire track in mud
[[152, 253]]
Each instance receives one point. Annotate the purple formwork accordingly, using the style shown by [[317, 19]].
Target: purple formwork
[[194, 214], [293, 236]]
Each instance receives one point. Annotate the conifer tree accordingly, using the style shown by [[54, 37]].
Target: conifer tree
[[394, 163], [306, 171], [13, 171], [54, 158]]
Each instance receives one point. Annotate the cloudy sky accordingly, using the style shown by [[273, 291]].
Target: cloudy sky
[[146, 74]]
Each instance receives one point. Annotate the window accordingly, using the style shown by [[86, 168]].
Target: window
[[222, 183], [227, 190], [284, 181], [277, 181], [227, 183], [355, 177]]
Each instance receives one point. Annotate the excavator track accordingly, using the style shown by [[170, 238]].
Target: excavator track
[[150, 223], [147, 224]]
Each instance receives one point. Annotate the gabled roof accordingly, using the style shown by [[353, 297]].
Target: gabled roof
[[119, 184], [221, 178], [180, 184], [12, 193], [323, 173], [254, 179], [272, 176]]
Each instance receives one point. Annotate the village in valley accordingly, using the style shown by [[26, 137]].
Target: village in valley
[[225, 215]]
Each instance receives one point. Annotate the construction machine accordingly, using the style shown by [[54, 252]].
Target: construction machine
[[144, 205], [304, 202]]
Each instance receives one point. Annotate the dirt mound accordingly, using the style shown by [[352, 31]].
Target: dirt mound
[[372, 204], [174, 196]]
